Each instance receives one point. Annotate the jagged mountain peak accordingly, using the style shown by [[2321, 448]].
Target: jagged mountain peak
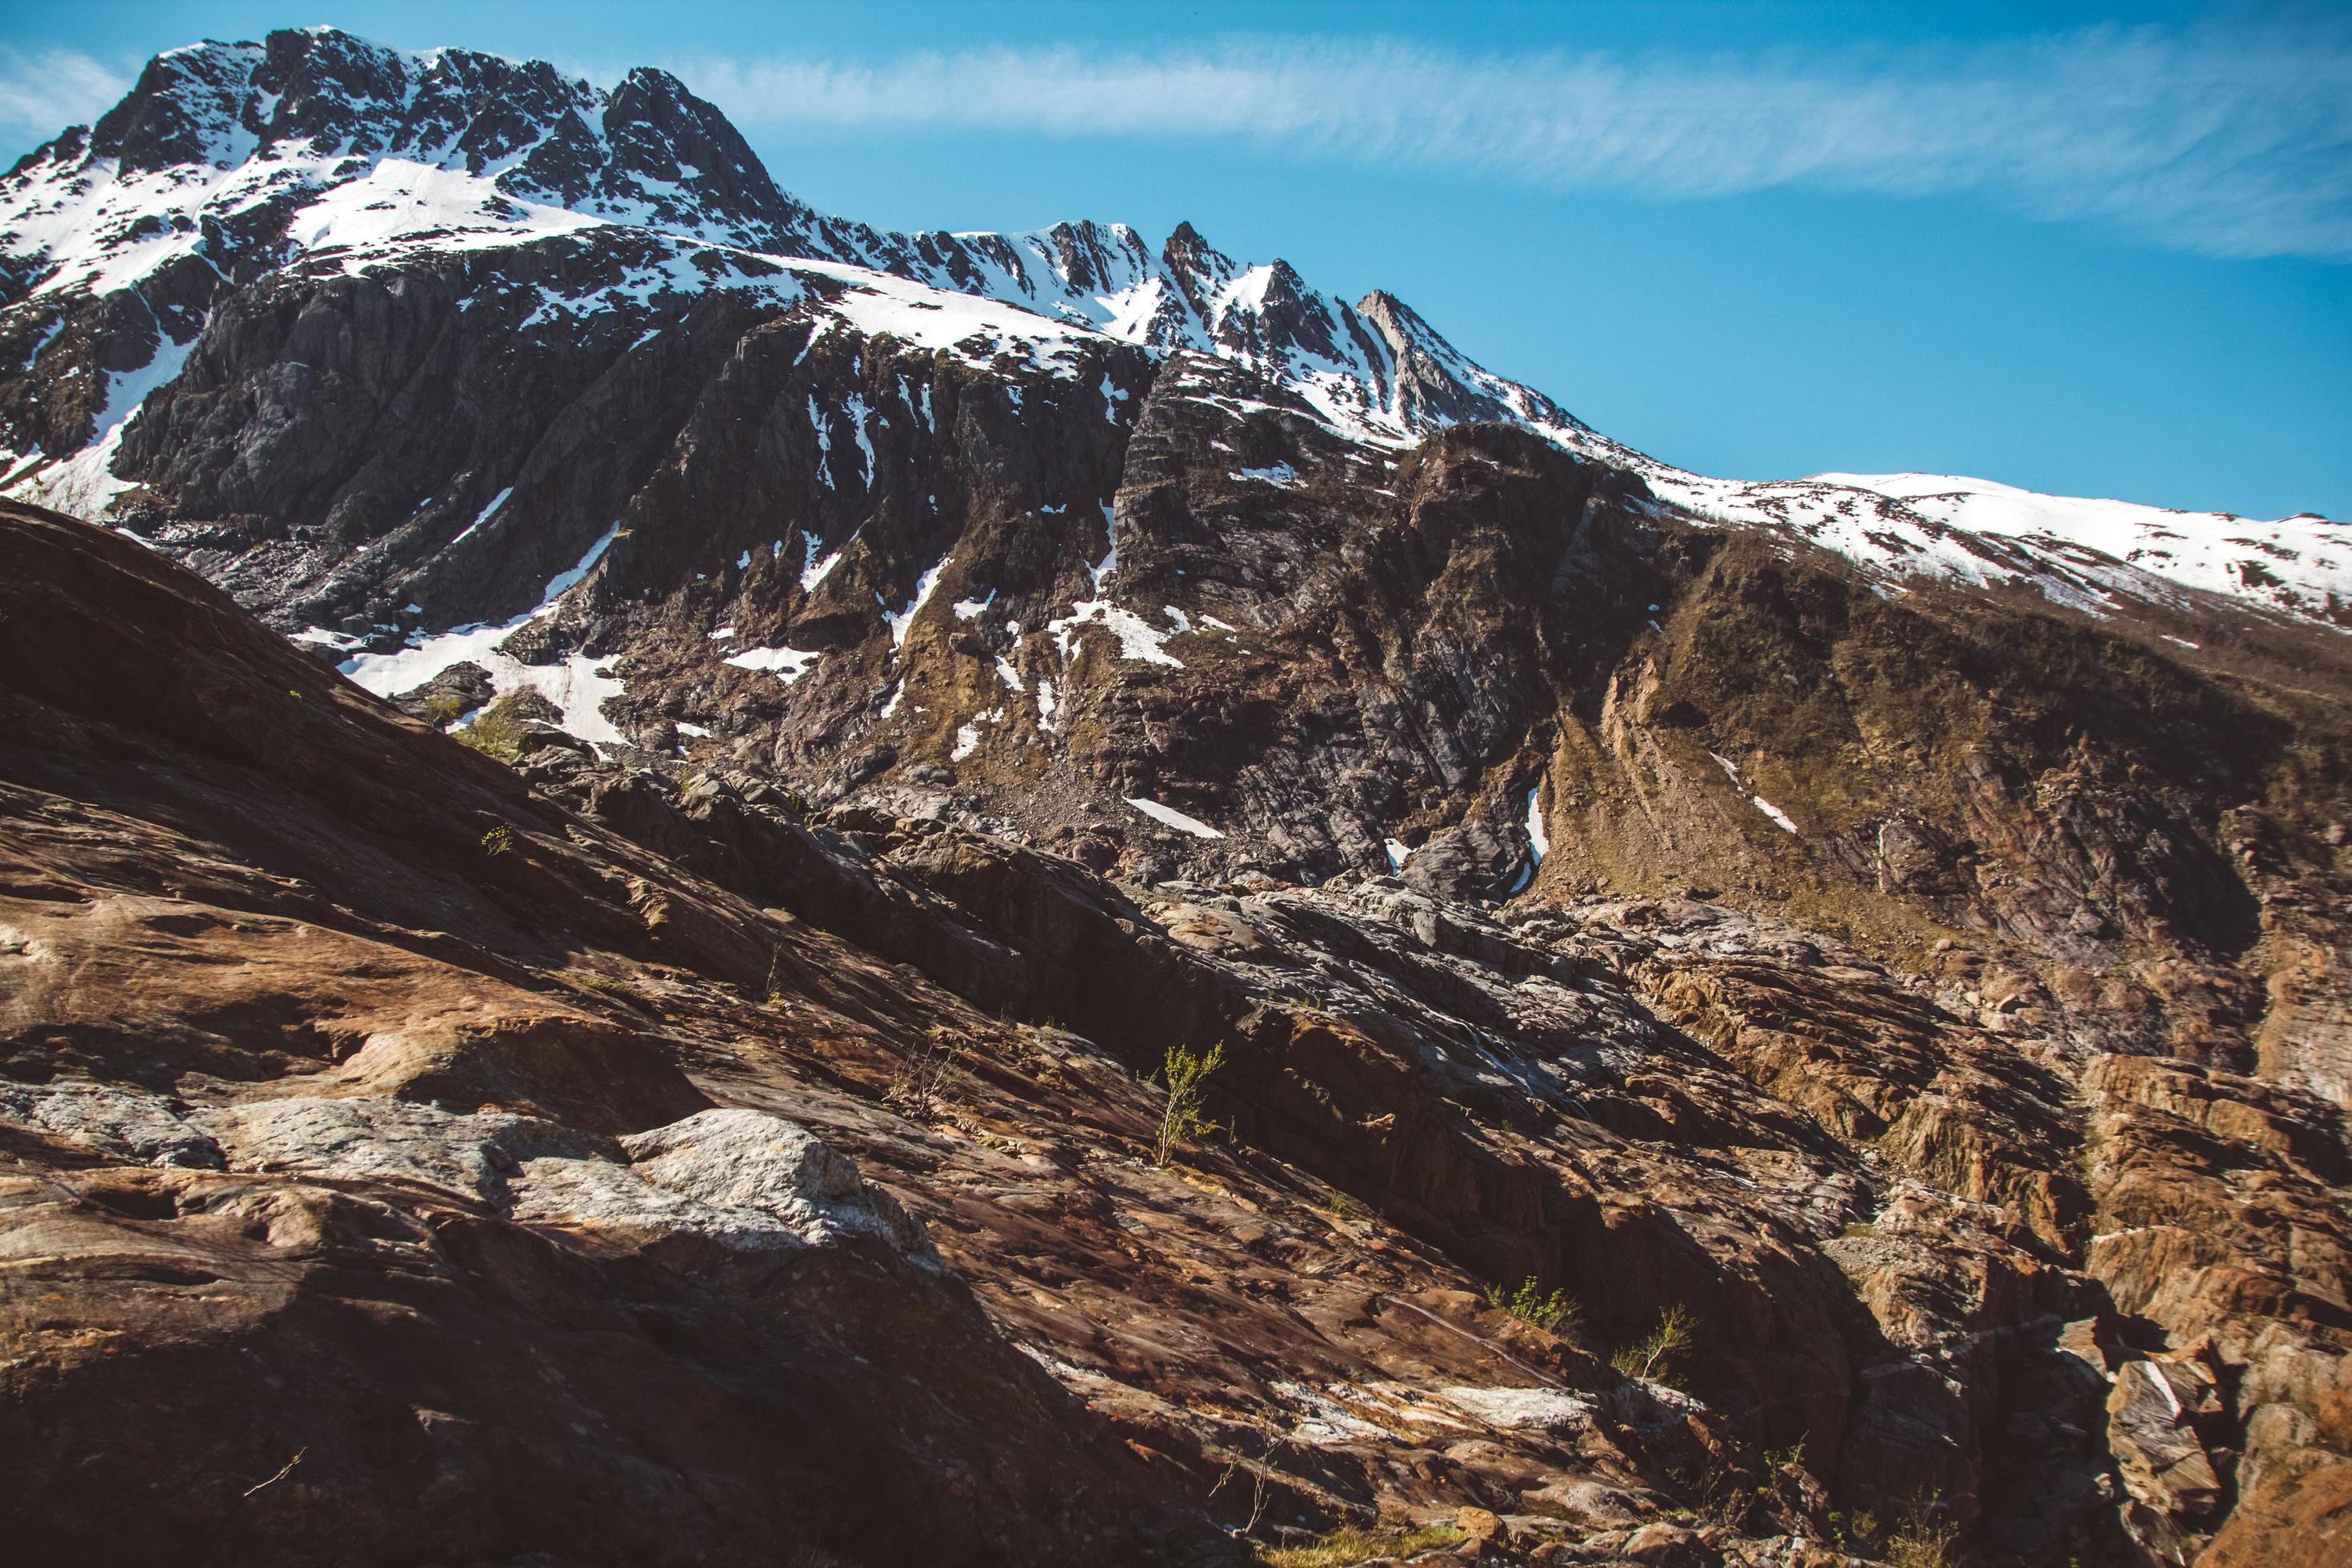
[[234, 159], [221, 150], [229, 161]]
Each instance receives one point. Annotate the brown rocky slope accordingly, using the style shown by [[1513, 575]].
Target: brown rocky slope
[[487, 1138]]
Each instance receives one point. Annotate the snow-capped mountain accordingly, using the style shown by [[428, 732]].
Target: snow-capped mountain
[[992, 662], [315, 154]]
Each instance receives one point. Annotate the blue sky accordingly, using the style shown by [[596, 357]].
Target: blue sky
[[2088, 249]]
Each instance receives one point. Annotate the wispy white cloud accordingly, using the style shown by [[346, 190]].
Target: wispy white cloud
[[42, 93], [2236, 144], [2227, 141]]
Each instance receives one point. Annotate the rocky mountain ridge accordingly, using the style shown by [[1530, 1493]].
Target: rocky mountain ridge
[[228, 160]]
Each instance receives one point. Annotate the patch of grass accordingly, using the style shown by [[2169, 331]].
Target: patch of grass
[[443, 707], [1656, 1356], [1184, 1118], [498, 840], [497, 730], [1557, 1313], [1349, 1545], [1923, 1545], [612, 986]]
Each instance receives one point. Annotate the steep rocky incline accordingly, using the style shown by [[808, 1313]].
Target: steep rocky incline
[[338, 1177], [319, 1018]]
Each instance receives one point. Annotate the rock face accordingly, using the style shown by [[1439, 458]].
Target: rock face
[[935, 678], [401, 1202], [319, 1018]]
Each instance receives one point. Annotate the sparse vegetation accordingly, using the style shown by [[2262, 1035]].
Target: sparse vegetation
[[1259, 1495], [497, 730], [1656, 1356], [612, 986], [1717, 1497], [915, 1092], [1557, 1313], [498, 840], [1349, 1545], [1923, 1542], [1854, 1533], [443, 709], [1184, 1117]]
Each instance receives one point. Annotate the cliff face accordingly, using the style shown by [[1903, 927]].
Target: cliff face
[[943, 675]]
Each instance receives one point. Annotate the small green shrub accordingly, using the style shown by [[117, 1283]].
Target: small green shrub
[[443, 707], [498, 840], [497, 730], [1656, 1354], [1183, 1117], [1557, 1313], [1856, 1535]]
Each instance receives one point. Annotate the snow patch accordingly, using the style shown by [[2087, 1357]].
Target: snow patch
[[787, 664], [579, 687], [84, 484], [484, 515], [1174, 818], [813, 570], [1138, 638], [901, 622]]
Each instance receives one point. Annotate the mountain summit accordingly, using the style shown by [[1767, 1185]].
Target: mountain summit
[[317, 150]]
